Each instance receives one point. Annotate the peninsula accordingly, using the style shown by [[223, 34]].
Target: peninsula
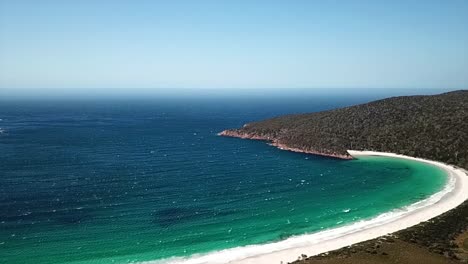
[[431, 127]]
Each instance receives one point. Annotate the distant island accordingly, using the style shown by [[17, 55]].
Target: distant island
[[431, 127]]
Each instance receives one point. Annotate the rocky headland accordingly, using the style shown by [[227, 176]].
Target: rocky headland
[[283, 146], [432, 127]]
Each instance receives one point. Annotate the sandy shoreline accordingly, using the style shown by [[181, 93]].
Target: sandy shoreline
[[454, 193]]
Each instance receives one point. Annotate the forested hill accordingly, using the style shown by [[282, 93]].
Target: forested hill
[[433, 127]]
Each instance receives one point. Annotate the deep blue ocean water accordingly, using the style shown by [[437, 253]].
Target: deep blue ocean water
[[88, 181]]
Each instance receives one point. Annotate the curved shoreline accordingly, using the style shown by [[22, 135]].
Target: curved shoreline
[[453, 194]]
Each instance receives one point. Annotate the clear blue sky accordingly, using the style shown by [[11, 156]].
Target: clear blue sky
[[233, 44]]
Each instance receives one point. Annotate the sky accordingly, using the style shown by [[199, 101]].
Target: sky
[[112, 45]]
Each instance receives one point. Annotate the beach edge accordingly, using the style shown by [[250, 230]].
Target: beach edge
[[453, 194], [448, 201]]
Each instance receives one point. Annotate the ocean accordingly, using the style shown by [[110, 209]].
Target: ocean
[[128, 181]]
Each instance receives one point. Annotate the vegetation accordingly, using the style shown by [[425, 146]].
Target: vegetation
[[432, 127]]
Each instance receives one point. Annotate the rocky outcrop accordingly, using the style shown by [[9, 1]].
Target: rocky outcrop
[[283, 146]]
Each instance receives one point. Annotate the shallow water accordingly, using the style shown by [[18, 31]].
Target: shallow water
[[95, 182]]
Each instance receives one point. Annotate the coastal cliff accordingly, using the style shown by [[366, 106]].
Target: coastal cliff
[[433, 127]]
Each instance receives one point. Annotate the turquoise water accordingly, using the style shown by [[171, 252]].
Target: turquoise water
[[101, 182]]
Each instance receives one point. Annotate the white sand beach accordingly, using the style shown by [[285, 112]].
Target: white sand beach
[[454, 193]]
